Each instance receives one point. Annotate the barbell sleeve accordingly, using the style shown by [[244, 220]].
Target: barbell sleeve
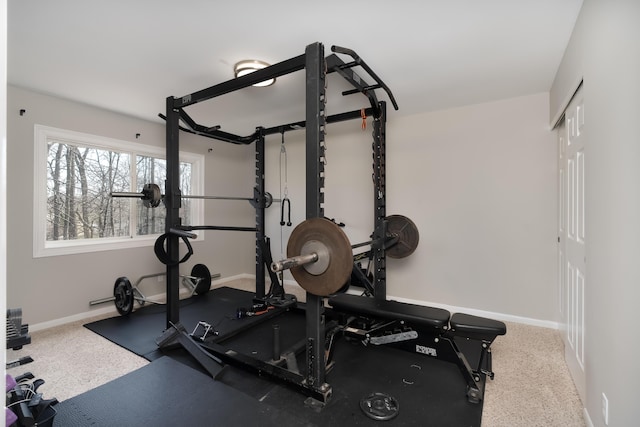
[[127, 194], [183, 233], [289, 263]]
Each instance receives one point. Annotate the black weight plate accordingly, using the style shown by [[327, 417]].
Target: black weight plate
[[152, 197], [123, 293], [407, 233], [379, 406], [204, 275], [268, 200]]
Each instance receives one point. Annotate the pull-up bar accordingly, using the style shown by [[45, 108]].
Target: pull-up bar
[[334, 64]]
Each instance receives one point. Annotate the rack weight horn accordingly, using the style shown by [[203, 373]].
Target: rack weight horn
[[151, 196], [320, 256]]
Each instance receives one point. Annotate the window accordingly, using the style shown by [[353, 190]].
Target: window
[[76, 173]]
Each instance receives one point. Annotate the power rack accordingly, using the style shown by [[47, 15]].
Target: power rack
[[316, 67]]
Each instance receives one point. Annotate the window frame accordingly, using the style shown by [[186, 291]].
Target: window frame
[[44, 248]]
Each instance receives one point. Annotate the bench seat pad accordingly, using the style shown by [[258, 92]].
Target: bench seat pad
[[477, 327], [393, 310]]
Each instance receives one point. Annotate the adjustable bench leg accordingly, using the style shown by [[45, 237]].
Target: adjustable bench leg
[[446, 349], [474, 391], [485, 357]]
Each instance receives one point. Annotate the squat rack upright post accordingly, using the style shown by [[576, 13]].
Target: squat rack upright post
[[315, 155], [172, 202]]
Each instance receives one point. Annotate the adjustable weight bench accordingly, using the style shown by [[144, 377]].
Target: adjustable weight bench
[[426, 330]]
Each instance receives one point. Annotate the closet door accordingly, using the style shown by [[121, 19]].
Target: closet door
[[573, 238]]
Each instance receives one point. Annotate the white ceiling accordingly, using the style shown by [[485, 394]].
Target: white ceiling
[[129, 55]]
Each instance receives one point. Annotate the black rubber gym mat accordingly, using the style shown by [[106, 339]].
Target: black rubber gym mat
[[138, 331], [429, 392], [168, 393]]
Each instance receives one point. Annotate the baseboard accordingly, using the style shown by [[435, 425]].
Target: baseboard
[[74, 318], [481, 313], [232, 278], [110, 309], [587, 418], [220, 282], [455, 309]]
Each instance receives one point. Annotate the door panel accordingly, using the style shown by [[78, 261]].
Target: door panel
[[573, 237]]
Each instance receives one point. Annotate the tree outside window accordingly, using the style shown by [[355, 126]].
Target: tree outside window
[[81, 173]]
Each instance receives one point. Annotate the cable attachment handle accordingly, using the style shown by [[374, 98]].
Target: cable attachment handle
[[285, 202]]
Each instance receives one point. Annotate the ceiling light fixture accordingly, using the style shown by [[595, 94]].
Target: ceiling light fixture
[[245, 67]]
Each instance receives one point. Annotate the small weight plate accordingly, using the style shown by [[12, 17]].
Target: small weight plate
[[204, 278], [123, 293], [379, 406], [407, 233]]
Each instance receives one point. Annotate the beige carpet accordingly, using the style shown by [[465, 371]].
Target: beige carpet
[[532, 386]]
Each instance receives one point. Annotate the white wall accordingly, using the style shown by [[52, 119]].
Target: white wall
[[480, 184], [61, 286], [348, 185], [604, 52]]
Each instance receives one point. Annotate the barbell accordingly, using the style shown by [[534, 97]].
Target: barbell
[[151, 196], [320, 256], [125, 294]]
